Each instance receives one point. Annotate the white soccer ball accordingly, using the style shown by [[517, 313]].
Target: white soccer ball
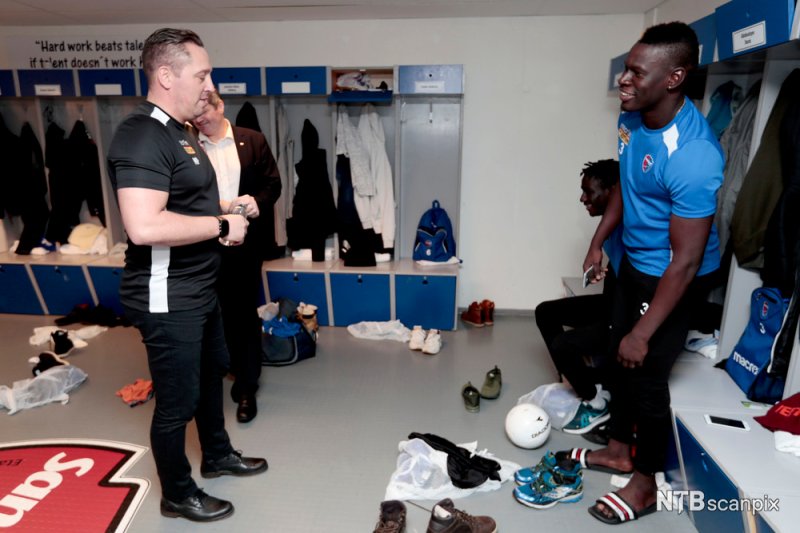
[[527, 425]]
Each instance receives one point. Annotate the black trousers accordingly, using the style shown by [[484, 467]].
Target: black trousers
[[576, 332], [238, 286], [640, 396], [188, 361]]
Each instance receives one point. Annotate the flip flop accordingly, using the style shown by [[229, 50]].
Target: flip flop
[[622, 510], [579, 454]]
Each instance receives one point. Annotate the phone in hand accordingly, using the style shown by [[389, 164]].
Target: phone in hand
[[727, 422], [588, 276]]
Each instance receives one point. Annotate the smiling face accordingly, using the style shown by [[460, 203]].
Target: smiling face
[[647, 79], [212, 122], [594, 195]]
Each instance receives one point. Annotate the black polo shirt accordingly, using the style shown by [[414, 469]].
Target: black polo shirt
[[152, 150]]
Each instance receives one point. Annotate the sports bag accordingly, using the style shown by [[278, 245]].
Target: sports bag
[[752, 354], [284, 340], [435, 240]]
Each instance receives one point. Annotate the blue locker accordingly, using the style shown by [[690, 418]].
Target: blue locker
[[46, 83], [106, 286], [301, 287], [107, 82], [7, 83], [747, 25], [428, 301], [703, 474], [17, 294], [359, 297], [237, 81], [296, 80], [706, 30], [62, 287]]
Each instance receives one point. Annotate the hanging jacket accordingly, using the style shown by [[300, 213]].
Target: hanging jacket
[[350, 143], [285, 154], [314, 211], [35, 212], [247, 117], [56, 154], [735, 143], [380, 206], [11, 172], [84, 168], [763, 183], [724, 102], [781, 239]]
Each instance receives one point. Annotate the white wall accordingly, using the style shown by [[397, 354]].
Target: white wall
[[536, 109]]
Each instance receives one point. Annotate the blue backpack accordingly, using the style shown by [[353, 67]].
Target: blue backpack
[[435, 241], [751, 356]]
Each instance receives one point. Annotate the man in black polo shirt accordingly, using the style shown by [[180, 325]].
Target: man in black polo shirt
[[168, 199]]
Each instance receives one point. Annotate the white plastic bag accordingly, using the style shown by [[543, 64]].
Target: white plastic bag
[[557, 399], [392, 330], [421, 473], [52, 385]]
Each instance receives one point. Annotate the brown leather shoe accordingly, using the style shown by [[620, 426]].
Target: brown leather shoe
[[487, 309], [445, 518], [473, 315]]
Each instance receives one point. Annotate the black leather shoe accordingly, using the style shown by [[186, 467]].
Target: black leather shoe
[[247, 409], [199, 507], [233, 464]]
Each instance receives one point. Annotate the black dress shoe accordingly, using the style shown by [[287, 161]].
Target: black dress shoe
[[233, 464], [247, 409], [199, 507]]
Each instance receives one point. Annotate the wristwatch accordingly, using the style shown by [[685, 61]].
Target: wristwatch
[[224, 227]]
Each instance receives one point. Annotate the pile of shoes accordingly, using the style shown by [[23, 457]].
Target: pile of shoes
[[555, 479], [444, 519], [489, 391], [429, 342], [479, 314]]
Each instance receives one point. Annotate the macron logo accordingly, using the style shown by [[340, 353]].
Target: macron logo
[[748, 365]]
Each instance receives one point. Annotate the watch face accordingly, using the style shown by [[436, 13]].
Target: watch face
[[223, 227]]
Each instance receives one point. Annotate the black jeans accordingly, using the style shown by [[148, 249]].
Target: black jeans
[[188, 359], [640, 396], [238, 287], [587, 340]]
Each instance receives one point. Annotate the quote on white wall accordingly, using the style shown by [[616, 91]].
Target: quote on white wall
[[43, 53]]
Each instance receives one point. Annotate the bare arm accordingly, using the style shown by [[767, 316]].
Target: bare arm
[[147, 221], [611, 219], [688, 237]]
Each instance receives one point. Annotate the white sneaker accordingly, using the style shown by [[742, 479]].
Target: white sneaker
[[417, 341], [433, 342]]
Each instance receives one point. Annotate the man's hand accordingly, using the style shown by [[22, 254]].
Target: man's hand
[[251, 207], [632, 350]]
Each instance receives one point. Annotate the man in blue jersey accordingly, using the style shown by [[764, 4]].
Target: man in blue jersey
[[670, 171], [168, 198]]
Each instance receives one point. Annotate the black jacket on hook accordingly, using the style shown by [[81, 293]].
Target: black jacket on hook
[[314, 212], [74, 177], [35, 212]]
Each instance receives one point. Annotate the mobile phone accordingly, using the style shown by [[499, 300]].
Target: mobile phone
[[588, 276], [727, 422]]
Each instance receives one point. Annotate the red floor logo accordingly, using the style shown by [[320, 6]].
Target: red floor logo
[[69, 485]]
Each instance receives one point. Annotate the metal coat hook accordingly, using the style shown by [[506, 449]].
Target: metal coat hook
[[430, 113], [80, 112]]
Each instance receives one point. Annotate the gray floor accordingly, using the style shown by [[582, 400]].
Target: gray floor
[[328, 426]]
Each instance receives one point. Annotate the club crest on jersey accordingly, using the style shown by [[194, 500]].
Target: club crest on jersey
[[624, 134], [647, 163]]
